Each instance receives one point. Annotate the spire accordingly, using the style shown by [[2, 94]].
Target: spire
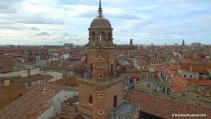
[[100, 11]]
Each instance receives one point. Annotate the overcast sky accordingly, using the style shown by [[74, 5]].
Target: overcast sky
[[43, 22]]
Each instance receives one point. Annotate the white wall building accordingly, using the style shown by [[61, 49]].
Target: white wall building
[[56, 104], [23, 73]]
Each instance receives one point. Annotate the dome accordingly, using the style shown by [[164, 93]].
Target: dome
[[100, 23]]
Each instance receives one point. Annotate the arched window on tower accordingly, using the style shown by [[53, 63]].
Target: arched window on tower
[[102, 36], [93, 36], [110, 36], [91, 67], [115, 101], [112, 68], [90, 99]]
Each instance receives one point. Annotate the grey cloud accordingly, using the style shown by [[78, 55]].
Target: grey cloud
[[38, 21], [66, 35], [41, 20], [7, 10], [35, 28], [9, 6], [43, 34], [11, 27]]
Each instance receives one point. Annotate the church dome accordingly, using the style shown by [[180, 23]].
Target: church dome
[[100, 23]]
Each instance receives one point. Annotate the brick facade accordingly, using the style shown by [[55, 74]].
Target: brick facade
[[103, 90]]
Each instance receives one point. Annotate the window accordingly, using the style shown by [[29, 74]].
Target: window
[[191, 76], [100, 96], [30, 84], [111, 68], [91, 68], [102, 36], [185, 76], [110, 36], [93, 36], [100, 76], [90, 99], [131, 81], [100, 112], [115, 101]]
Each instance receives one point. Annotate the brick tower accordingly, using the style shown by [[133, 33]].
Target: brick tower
[[102, 90]]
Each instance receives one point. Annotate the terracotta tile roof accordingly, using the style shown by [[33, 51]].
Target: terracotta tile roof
[[184, 66], [198, 68], [13, 54], [31, 104], [178, 84], [64, 64], [166, 107], [69, 116], [200, 82], [169, 70], [15, 80], [143, 61], [9, 94], [157, 68]]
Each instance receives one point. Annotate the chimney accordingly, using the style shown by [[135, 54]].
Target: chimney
[[29, 72]]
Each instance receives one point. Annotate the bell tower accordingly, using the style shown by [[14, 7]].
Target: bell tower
[[101, 50], [102, 89], [100, 31]]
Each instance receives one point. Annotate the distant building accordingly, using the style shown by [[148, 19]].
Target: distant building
[[195, 71], [6, 64], [29, 53], [68, 45], [131, 41], [183, 42], [195, 44], [144, 63]]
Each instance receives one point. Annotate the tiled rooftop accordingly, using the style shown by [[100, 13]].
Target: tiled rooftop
[[9, 94], [31, 104], [178, 84], [69, 116], [200, 82], [165, 107]]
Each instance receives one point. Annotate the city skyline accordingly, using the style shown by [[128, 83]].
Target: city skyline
[[52, 22]]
